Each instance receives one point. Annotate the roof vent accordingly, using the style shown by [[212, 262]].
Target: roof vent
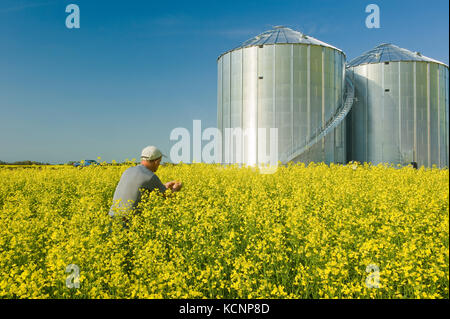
[[418, 53]]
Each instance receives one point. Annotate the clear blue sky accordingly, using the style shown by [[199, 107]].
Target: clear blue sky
[[135, 70]]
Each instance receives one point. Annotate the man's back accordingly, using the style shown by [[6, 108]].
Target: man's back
[[127, 194]]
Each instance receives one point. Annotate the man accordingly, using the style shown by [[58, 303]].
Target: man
[[128, 191]]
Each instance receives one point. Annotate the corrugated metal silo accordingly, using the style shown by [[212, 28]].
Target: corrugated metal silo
[[286, 80], [401, 110]]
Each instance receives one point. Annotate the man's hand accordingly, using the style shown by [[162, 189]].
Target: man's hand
[[169, 185], [174, 186], [177, 186]]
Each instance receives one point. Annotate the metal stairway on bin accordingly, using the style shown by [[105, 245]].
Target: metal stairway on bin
[[332, 123]]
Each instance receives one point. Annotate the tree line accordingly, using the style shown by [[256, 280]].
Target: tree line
[[23, 163]]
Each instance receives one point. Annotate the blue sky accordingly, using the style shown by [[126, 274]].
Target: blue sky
[[135, 70]]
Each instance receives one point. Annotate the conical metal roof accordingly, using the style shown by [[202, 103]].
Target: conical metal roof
[[388, 52], [282, 35]]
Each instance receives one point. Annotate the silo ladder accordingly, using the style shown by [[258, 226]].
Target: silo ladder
[[332, 123]]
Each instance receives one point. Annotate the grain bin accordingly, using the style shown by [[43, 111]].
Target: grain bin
[[281, 79], [401, 112]]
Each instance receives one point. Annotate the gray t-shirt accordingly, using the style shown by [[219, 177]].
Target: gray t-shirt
[[128, 194]]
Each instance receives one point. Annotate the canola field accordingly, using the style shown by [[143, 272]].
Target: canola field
[[316, 231]]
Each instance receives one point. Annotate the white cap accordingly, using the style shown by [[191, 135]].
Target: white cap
[[151, 153]]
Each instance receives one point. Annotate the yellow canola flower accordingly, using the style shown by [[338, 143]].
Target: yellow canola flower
[[303, 231]]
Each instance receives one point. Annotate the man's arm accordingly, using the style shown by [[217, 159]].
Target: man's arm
[[155, 183]]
